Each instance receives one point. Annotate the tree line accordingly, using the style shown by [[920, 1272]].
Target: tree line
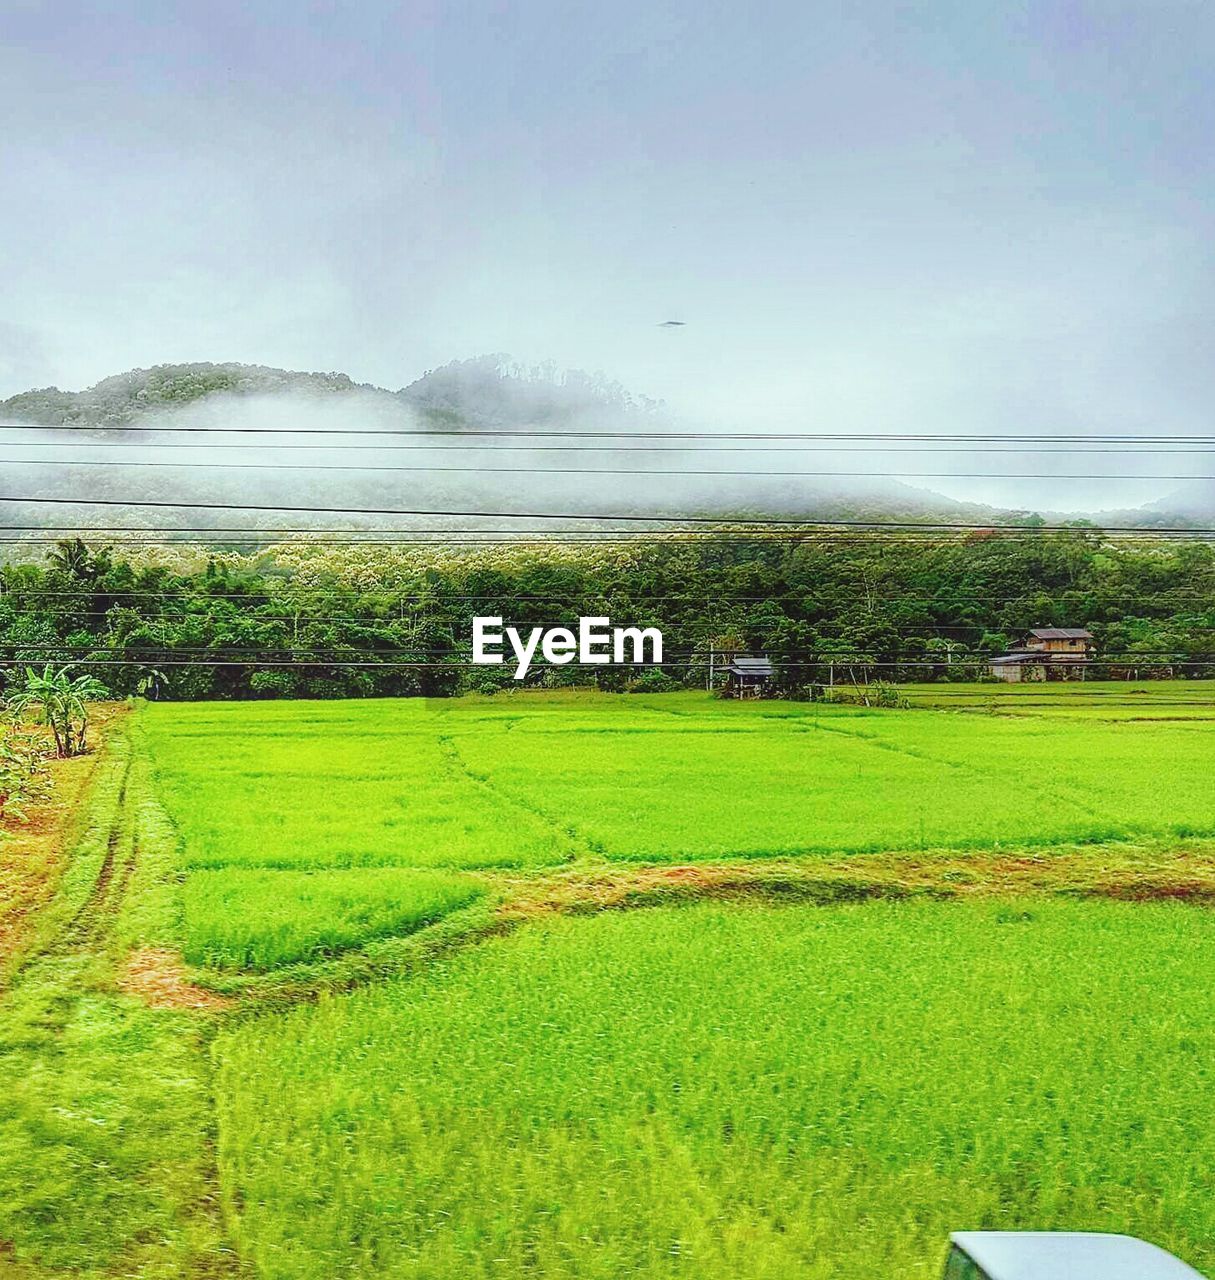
[[306, 620]]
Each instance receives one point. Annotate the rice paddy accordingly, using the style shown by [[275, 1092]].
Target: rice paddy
[[725, 1092], [334, 989], [252, 918], [530, 781]]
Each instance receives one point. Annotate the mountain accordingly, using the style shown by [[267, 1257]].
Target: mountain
[[1194, 502], [486, 392], [492, 392], [127, 397], [304, 468], [1190, 507]]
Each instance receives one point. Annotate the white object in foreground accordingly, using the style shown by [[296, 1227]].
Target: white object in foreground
[[1059, 1255]]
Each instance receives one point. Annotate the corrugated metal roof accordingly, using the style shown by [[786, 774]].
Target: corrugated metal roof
[[1061, 633], [1069, 1255], [750, 667], [1012, 659]]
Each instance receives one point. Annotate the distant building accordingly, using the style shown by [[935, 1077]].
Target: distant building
[[748, 677], [1047, 653], [1068, 644]]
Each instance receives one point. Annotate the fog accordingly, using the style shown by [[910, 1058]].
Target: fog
[[357, 457], [927, 218]]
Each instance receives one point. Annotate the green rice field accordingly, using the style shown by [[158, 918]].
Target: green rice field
[[717, 1091], [534, 781], [582, 985]]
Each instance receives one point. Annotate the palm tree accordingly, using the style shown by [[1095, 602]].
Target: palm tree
[[72, 556], [63, 702]]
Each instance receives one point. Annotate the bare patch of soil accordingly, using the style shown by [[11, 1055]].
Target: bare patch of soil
[[158, 977]]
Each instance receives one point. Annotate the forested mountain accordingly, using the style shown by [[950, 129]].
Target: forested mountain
[[431, 473], [399, 467], [127, 397], [489, 391]]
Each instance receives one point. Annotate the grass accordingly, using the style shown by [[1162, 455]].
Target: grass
[[1083, 699], [105, 1111], [252, 918], [334, 785], [722, 1091], [527, 782], [422, 1037], [33, 852]]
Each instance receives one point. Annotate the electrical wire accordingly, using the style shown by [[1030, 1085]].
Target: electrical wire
[[548, 433], [633, 473]]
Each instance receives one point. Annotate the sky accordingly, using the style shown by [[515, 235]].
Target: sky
[[896, 216]]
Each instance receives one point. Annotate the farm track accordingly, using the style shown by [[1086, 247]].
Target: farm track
[[74, 968], [88, 926]]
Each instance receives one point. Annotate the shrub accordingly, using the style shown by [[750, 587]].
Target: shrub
[[62, 701], [273, 684], [654, 682], [23, 772]]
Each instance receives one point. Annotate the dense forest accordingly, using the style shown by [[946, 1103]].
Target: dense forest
[[308, 620]]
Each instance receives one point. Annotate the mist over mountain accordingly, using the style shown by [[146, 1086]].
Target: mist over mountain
[[252, 435], [1191, 505], [485, 392], [128, 397], [1192, 502]]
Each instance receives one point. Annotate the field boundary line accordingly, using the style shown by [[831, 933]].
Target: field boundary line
[[914, 753], [580, 845]]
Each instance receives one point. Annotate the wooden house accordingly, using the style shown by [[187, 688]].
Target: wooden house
[[748, 678], [1061, 644], [1047, 653]]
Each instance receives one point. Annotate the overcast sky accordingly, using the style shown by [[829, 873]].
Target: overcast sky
[[871, 216]]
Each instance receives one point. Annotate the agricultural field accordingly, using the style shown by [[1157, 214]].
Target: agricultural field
[[537, 780], [369, 966], [715, 1091], [1084, 700]]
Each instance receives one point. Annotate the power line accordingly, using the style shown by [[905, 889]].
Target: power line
[[258, 544], [723, 522], [285, 550], [252, 547], [344, 447], [642, 434], [440, 595], [725, 529], [320, 653], [632, 472], [839, 662]]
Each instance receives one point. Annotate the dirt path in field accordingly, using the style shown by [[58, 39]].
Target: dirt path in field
[[159, 978], [1185, 872], [67, 985], [33, 853]]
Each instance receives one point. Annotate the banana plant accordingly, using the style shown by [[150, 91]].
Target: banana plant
[[62, 701]]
